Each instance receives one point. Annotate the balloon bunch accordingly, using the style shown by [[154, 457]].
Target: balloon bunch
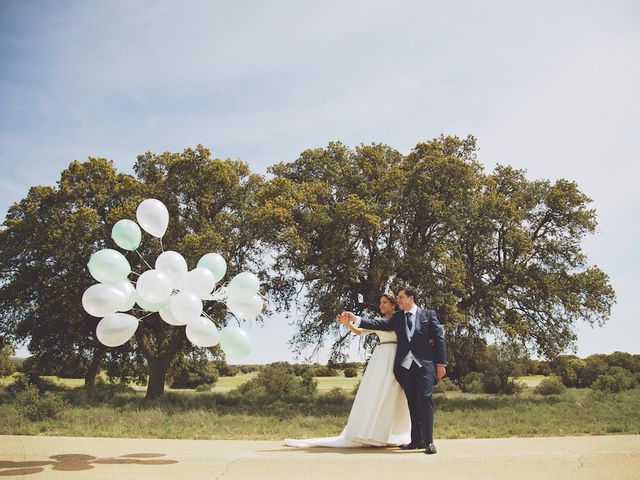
[[170, 289]]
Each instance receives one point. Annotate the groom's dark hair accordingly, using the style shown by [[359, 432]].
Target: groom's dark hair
[[410, 291]]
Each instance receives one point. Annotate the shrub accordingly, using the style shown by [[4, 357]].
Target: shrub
[[472, 383], [23, 381], [616, 380], [324, 371], [309, 384], [248, 368], [446, 385], [36, 406], [569, 367], [350, 372], [7, 365], [550, 386], [277, 380], [192, 374], [226, 370], [335, 396], [492, 383]]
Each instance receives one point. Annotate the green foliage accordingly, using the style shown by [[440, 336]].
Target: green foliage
[[249, 368], [23, 381], [51, 233], [335, 396], [568, 367], [193, 371], [489, 251], [36, 406], [324, 371], [501, 363], [350, 372], [472, 383], [446, 385], [550, 386], [615, 380], [276, 380], [7, 365], [538, 367], [226, 370]]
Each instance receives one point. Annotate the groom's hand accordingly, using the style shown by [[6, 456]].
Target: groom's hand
[[441, 370], [342, 318]]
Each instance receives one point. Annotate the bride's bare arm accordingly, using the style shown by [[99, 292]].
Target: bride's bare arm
[[353, 328], [344, 319]]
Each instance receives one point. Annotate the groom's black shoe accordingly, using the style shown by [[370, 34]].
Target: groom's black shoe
[[412, 446], [430, 449]]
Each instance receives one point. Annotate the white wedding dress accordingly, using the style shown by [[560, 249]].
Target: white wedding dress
[[379, 416]]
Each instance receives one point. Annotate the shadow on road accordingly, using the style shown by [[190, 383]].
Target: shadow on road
[[77, 462]]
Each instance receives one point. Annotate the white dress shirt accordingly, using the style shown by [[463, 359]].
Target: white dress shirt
[[406, 362], [408, 359]]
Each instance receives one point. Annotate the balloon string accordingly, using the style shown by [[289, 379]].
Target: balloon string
[[148, 314], [161, 247], [144, 260]]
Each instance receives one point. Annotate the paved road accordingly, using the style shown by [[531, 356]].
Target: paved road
[[606, 457]]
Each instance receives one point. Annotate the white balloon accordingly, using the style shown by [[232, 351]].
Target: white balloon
[[129, 292], [102, 299], [154, 286], [175, 266], [246, 309], [116, 329], [168, 317], [200, 281], [186, 306], [153, 217], [202, 332]]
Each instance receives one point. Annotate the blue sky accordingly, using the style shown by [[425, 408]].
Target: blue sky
[[547, 86]]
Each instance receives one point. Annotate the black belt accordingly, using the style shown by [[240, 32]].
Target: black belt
[[382, 343]]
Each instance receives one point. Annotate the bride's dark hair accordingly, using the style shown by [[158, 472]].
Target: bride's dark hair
[[389, 296]]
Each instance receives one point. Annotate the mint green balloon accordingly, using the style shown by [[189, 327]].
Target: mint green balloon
[[235, 342], [126, 234], [108, 266], [151, 307], [215, 263], [243, 286]]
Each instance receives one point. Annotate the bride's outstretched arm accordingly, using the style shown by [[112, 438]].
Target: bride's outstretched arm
[[344, 319]]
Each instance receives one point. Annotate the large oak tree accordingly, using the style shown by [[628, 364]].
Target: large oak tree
[[49, 236], [494, 253]]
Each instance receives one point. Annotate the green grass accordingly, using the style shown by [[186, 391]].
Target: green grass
[[531, 380], [189, 414], [224, 384]]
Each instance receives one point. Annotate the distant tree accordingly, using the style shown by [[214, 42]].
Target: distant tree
[[192, 371]]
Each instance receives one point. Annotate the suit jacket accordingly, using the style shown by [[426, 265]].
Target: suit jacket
[[427, 327]]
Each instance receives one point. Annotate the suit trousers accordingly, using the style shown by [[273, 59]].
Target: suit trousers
[[418, 383]]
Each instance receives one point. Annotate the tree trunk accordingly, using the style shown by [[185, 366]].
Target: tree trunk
[[94, 367], [157, 379], [159, 360]]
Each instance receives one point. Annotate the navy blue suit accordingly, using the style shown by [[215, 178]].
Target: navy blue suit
[[419, 380]]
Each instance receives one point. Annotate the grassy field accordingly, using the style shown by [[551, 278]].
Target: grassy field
[[218, 415], [224, 384]]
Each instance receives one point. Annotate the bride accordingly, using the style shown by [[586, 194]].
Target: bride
[[379, 416]]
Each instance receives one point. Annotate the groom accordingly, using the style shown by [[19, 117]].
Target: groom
[[418, 365]]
